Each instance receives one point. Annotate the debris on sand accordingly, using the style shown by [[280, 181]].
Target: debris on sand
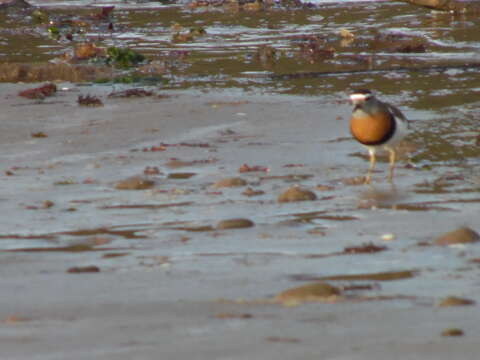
[[16, 72], [129, 93], [38, 134], [250, 192], [364, 249], [455, 301], [247, 168], [40, 92], [452, 332], [135, 183], [84, 51], [89, 100]]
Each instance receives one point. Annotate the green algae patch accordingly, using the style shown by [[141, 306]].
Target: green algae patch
[[123, 57]]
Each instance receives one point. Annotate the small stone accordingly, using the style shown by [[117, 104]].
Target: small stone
[[455, 301], [134, 183], [235, 224], [452, 332], [83, 269], [462, 235], [230, 182], [295, 193], [319, 291]]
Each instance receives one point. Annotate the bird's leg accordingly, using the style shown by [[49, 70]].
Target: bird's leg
[[392, 164], [371, 167]]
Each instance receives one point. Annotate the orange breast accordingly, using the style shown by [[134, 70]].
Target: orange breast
[[372, 130]]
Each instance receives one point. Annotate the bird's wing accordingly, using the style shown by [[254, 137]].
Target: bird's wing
[[397, 113]]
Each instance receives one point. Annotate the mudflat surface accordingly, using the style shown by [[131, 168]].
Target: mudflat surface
[[166, 289]]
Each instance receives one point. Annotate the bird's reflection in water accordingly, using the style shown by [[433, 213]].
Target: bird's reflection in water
[[381, 197]]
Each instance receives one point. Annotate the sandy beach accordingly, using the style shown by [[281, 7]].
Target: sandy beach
[[165, 291]]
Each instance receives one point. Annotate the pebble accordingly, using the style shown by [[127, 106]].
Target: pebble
[[230, 182], [296, 193], [462, 235], [235, 224], [319, 291]]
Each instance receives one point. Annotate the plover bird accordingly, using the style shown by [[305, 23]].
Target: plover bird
[[376, 124]]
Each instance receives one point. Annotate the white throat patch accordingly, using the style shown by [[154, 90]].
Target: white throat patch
[[359, 97]]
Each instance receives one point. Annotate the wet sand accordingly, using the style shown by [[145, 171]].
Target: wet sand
[[179, 294]]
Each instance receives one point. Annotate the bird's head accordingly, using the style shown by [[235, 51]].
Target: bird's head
[[360, 96]]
